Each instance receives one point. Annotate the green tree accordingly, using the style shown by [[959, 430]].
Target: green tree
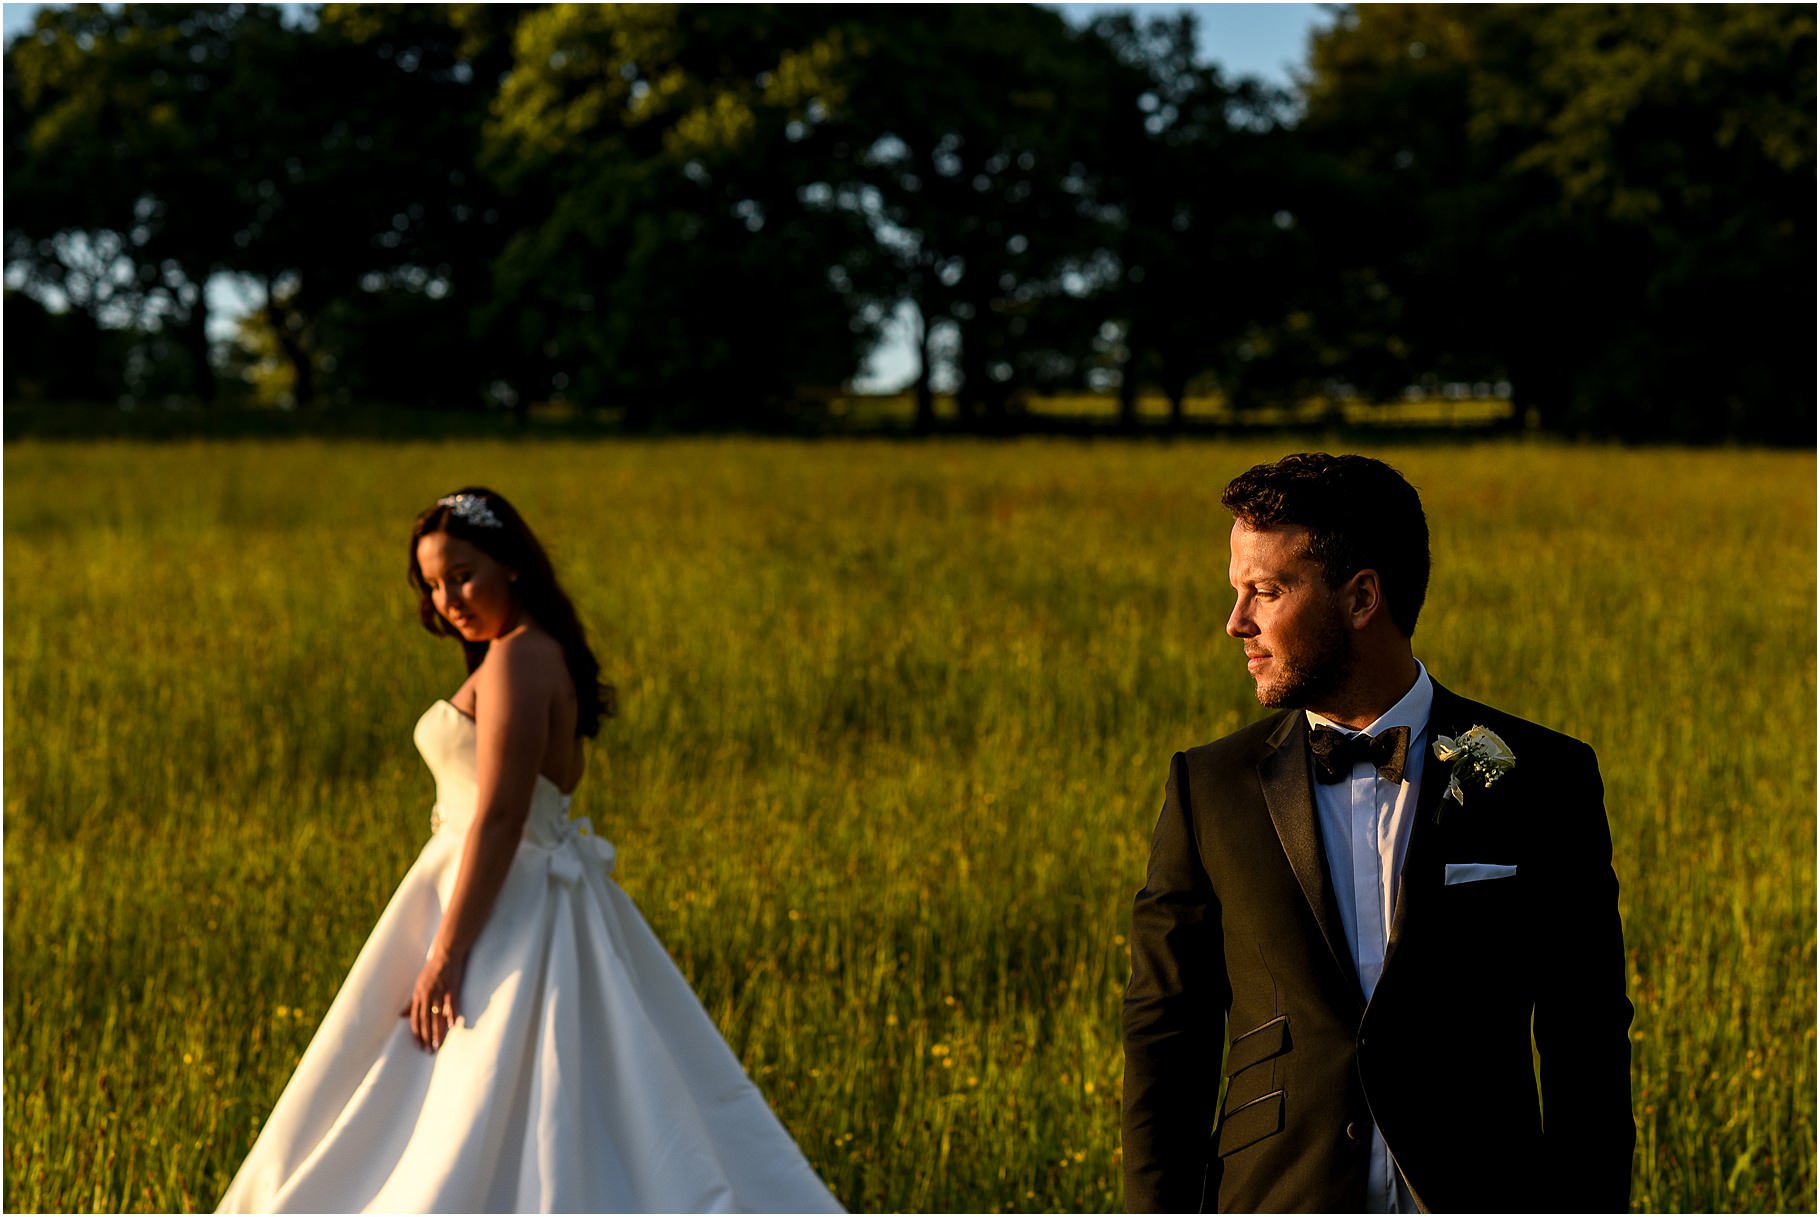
[[1211, 188], [60, 356], [1684, 133], [680, 257], [975, 145], [120, 122], [151, 148], [1611, 206], [404, 316]]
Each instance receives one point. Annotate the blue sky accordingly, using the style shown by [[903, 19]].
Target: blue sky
[[1265, 40], [1268, 40]]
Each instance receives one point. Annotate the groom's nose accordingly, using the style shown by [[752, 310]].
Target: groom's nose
[[1239, 624]]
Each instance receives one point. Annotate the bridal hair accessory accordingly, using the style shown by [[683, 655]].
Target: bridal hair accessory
[[1478, 754], [470, 509]]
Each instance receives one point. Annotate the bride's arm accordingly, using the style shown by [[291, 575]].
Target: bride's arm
[[512, 715]]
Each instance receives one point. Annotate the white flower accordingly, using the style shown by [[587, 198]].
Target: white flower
[[1478, 753]]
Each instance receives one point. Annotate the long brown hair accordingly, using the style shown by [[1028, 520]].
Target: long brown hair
[[512, 543]]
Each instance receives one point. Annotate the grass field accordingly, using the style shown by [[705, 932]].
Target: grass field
[[895, 723], [899, 410]]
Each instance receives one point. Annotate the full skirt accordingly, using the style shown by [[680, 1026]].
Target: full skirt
[[585, 1075]]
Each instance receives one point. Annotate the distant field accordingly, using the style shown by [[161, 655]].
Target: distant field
[[895, 723], [1473, 407], [851, 415]]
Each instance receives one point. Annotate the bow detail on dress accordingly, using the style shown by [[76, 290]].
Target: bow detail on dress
[[579, 843]]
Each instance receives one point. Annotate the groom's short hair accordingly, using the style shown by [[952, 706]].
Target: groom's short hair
[[1360, 513]]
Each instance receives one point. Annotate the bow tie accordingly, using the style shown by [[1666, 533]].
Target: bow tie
[[1335, 752]]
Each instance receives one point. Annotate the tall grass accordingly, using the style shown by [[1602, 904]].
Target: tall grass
[[895, 721]]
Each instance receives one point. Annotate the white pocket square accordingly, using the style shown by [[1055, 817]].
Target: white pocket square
[[1474, 872]]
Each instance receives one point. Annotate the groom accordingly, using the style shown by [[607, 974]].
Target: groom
[[1363, 960]]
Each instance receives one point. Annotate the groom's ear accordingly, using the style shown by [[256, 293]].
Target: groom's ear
[[1363, 597]]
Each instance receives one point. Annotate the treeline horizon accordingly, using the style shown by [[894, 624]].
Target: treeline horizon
[[702, 216]]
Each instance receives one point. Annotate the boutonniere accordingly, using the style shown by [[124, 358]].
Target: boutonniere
[[1477, 754]]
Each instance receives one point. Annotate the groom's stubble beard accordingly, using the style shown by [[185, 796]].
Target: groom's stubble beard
[[1322, 666]]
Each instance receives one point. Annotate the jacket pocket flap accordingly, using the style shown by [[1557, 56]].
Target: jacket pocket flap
[[1258, 1045], [1247, 1125]]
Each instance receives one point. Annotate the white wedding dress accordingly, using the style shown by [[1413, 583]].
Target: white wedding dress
[[585, 1075]]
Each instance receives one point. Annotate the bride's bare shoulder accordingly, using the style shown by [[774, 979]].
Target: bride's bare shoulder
[[526, 658]]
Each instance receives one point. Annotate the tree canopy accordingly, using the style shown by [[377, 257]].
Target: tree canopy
[[701, 215]]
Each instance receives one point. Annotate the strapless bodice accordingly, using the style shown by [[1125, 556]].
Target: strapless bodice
[[445, 737]]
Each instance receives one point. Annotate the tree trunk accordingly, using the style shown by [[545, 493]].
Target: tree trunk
[[1128, 384], [193, 333], [1543, 388], [1176, 387], [970, 393], [925, 391], [296, 351], [303, 372]]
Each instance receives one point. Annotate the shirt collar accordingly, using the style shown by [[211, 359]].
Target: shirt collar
[[1410, 711]]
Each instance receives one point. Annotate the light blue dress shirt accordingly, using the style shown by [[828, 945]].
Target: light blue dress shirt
[[1365, 824]]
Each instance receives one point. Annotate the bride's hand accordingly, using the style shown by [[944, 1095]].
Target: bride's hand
[[433, 1009]]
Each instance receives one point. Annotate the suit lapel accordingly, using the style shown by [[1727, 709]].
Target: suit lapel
[[1425, 861], [1284, 775]]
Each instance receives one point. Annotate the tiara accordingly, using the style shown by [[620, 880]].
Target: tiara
[[470, 509]]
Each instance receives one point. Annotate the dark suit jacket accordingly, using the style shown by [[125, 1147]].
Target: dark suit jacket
[[1237, 925]]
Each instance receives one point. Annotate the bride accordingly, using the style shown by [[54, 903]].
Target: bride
[[512, 1037]]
